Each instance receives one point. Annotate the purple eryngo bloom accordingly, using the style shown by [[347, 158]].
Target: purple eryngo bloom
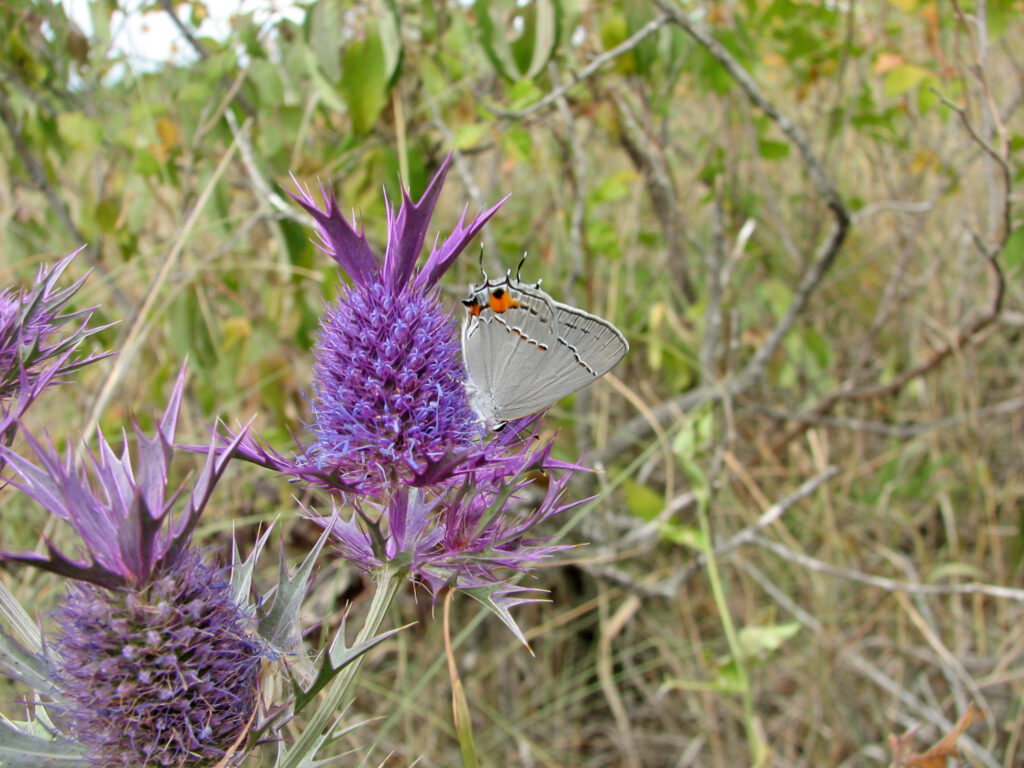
[[154, 663], [32, 354], [389, 400]]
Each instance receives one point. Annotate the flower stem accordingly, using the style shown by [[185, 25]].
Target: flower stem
[[758, 750], [340, 691]]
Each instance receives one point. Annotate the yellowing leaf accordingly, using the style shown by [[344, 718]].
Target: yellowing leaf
[[167, 130], [903, 78], [924, 160], [886, 61], [759, 642], [468, 135], [78, 130]]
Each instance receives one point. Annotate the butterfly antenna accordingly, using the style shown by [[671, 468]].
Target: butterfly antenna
[[520, 267], [482, 270]]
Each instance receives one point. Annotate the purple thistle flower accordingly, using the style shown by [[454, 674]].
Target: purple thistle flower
[[432, 495], [389, 402], [154, 663], [32, 356]]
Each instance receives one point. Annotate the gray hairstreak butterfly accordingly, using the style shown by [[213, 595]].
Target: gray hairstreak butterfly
[[525, 351]]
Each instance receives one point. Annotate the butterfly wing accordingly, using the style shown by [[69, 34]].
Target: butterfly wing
[[534, 352], [502, 350]]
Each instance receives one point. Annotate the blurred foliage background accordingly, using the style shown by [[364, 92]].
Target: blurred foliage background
[[808, 533]]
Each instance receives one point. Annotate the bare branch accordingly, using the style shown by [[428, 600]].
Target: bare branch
[[649, 159], [767, 518], [611, 54], [881, 582], [899, 431], [825, 255]]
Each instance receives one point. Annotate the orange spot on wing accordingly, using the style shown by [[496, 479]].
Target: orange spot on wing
[[500, 301]]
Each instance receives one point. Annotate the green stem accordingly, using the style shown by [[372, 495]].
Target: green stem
[[758, 753], [340, 691]]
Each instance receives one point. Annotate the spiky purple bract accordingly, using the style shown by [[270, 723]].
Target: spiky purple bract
[[462, 535], [469, 534], [389, 394], [164, 675], [33, 352], [123, 514]]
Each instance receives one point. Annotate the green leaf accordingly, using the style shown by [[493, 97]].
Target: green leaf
[[19, 664], [643, 501], [683, 535], [145, 164], [26, 631], [78, 130], [324, 21], [776, 294], [242, 570], [364, 81], [517, 144], [463, 724], [1013, 250], [613, 188], [336, 659], [759, 642], [324, 89], [771, 149], [279, 624], [488, 596], [999, 15], [468, 135], [390, 37], [902, 78], [266, 75], [542, 33], [20, 749], [694, 435], [190, 333], [519, 38]]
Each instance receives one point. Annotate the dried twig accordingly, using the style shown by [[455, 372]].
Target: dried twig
[[881, 582], [771, 515], [899, 431]]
